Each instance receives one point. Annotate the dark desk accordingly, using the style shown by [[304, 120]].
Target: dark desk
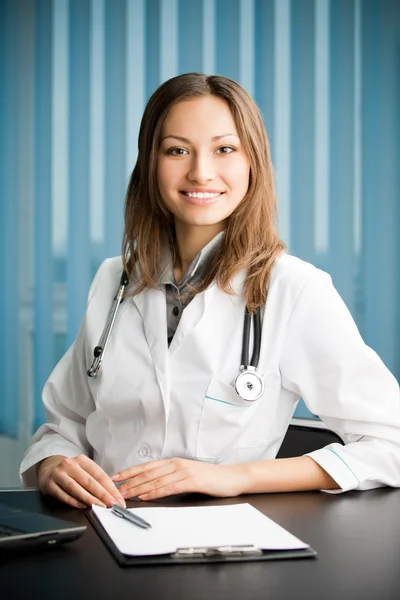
[[356, 535]]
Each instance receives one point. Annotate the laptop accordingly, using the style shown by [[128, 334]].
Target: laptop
[[20, 528]]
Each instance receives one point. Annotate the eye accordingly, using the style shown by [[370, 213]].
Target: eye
[[225, 150], [177, 151]]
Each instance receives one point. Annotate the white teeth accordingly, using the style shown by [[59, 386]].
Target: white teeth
[[202, 194]]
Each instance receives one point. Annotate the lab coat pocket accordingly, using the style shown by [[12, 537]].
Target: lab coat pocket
[[228, 422]]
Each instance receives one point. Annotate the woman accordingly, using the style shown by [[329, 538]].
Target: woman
[[162, 416]]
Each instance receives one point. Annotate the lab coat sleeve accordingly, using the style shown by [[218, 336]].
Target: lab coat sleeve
[[68, 402], [345, 383]]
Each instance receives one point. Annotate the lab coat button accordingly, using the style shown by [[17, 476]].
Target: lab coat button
[[175, 311], [144, 452]]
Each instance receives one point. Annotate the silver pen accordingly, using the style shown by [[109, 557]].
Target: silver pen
[[124, 513]]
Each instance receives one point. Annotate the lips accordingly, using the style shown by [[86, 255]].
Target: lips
[[207, 195], [201, 198]]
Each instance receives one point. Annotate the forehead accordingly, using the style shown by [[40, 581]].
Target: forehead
[[205, 116]]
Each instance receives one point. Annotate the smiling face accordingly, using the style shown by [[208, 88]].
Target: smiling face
[[202, 168]]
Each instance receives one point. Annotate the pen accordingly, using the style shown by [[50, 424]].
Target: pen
[[124, 513]]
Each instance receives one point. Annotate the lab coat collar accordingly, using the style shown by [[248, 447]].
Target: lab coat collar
[[196, 268], [151, 304]]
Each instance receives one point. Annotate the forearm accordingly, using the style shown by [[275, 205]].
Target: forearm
[[284, 475]]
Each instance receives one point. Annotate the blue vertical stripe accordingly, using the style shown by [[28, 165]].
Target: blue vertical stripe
[[246, 45], [208, 38], [264, 58], [153, 46], [282, 114], [44, 269], [59, 138], [168, 39], [190, 36], [96, 143], [380, 180], [321, 164], [357, 128], [227, 38], [9, 296], [115, 124], [341, 135], [135, 77], [302, 212], [358, 299], [393, 357], [79, 255], [302, 147], [372, 92], [25, 202]]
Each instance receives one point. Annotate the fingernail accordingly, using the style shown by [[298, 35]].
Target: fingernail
[[115, 477], [80, 505], [122, 501], [101, 504]]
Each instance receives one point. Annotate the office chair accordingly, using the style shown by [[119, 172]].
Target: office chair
[[306, 435]]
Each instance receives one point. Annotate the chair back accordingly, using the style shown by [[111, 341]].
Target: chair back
[[301, 439]]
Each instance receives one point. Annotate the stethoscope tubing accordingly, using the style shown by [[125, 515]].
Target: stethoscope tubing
[[100, 349], [246, 339], [248, 376]]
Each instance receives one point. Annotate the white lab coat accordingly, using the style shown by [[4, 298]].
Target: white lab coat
[[150, 401]]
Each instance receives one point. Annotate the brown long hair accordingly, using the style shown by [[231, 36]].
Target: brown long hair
[[251, 240]]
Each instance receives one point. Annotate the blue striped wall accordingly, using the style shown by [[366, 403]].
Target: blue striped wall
[[74, 79]]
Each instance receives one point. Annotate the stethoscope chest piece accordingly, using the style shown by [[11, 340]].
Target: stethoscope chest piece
[[249, 384]]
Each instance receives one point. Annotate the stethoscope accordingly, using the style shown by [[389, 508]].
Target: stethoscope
[[249, 384]]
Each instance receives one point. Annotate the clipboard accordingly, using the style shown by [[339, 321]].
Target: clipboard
[[197, 555]]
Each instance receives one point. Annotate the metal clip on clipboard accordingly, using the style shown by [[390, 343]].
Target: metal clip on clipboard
[[205, 552]]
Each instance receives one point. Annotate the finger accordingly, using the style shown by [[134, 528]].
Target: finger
[[80, 484], [101, 476], [147, 476], [58, 492], [154, 485], [170, 489], [137, 469]]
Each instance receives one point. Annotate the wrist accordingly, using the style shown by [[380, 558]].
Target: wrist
[[241, 476]]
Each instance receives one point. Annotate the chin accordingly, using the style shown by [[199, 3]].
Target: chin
[[202, 219], [202, 222]]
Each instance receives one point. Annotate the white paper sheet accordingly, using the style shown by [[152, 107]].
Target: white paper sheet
[[195, 526]]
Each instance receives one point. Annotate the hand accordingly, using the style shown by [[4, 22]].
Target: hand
[[78, 481], [161, 478]]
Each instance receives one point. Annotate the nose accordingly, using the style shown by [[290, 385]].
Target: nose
[[202, 168]]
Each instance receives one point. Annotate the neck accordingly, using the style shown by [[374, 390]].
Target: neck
[[190, 240]]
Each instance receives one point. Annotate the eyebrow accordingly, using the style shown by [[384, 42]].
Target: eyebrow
[[186, 141]]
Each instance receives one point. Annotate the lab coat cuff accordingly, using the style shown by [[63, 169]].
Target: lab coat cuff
[[330, 459]]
